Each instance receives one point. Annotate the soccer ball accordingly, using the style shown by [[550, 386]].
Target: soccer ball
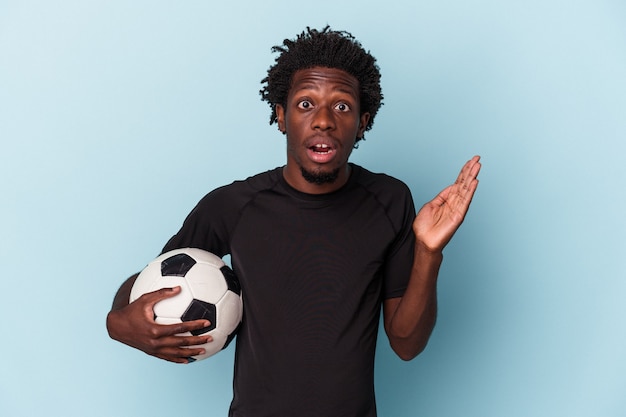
[[210, 291]]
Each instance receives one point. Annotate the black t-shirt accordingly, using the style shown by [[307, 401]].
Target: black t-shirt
[[313, 270]]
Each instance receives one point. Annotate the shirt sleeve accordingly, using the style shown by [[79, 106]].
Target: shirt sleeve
[[207, 225], [399, 261]]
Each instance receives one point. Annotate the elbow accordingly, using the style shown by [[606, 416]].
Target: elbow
[[109, 325], [410, 339], [407, 350], [407, 357]]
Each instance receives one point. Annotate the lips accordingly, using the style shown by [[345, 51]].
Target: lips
[[321, 143], [321, 151], [321, 148]]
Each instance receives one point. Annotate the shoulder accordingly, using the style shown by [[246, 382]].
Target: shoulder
[[211, 222], [241, 191], [383, 186], [392, 195]]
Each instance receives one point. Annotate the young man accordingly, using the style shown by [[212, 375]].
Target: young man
[[319, 246]]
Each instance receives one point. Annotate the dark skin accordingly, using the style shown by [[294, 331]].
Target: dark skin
[[133, 324], [322, 120], [322, 109], [409, 320]]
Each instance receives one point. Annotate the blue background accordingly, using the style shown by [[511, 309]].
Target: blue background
[[117, 116]]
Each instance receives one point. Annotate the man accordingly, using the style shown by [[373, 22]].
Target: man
[[319, 245]]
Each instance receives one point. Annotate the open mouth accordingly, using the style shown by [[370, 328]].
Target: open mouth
[[321, 148]]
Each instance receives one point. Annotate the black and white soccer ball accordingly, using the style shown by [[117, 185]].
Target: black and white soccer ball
[[210, 291]]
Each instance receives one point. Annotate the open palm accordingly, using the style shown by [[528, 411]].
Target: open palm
[[439, 219]]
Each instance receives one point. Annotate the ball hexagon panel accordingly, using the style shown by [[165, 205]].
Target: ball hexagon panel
[[231, 280], [177, 265], [198, 310]]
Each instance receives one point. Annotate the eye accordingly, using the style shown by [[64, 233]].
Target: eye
[[305, 104], [342, 107]]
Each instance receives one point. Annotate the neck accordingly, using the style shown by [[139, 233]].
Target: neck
[[316, 183]]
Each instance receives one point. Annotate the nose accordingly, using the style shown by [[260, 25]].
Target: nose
[[323, 119]]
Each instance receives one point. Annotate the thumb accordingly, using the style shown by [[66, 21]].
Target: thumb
[[151, 298], [442, 197]]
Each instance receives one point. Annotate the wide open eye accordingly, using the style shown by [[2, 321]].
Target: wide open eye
[[305, 104], [342, 107]]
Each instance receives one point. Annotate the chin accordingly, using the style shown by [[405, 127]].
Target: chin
[[320, 177]]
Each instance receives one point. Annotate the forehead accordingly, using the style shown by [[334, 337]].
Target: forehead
[[323, 78]]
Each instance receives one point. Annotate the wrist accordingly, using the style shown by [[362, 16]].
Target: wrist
[[426, 262], [423, 250]]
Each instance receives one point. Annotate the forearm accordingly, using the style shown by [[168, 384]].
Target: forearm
[[120, 301], [412, 317], [122, 296], [409, 320]]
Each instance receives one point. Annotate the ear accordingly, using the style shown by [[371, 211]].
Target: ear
[[280, 118], [363, 121]]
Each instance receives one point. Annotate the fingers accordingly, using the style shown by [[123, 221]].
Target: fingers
[[178, 329], [469, 173], [154, 297], [145, 304], [173, 342], [438, 220], [461, 192], [467, 181], [474, 169], [178, 355], [457, 197]]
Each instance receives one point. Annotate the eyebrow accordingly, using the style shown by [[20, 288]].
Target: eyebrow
[[312, 86]]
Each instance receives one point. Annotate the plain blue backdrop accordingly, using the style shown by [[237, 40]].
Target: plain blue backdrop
[[117, 116]]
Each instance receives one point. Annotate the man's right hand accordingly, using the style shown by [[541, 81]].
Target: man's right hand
[[134, 325]]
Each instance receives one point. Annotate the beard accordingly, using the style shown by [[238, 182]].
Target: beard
[[320, 178]]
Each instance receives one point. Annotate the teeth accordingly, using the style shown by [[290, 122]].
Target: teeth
[[321, 148]]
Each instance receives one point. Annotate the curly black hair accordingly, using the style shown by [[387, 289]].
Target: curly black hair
[[323, 48]]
